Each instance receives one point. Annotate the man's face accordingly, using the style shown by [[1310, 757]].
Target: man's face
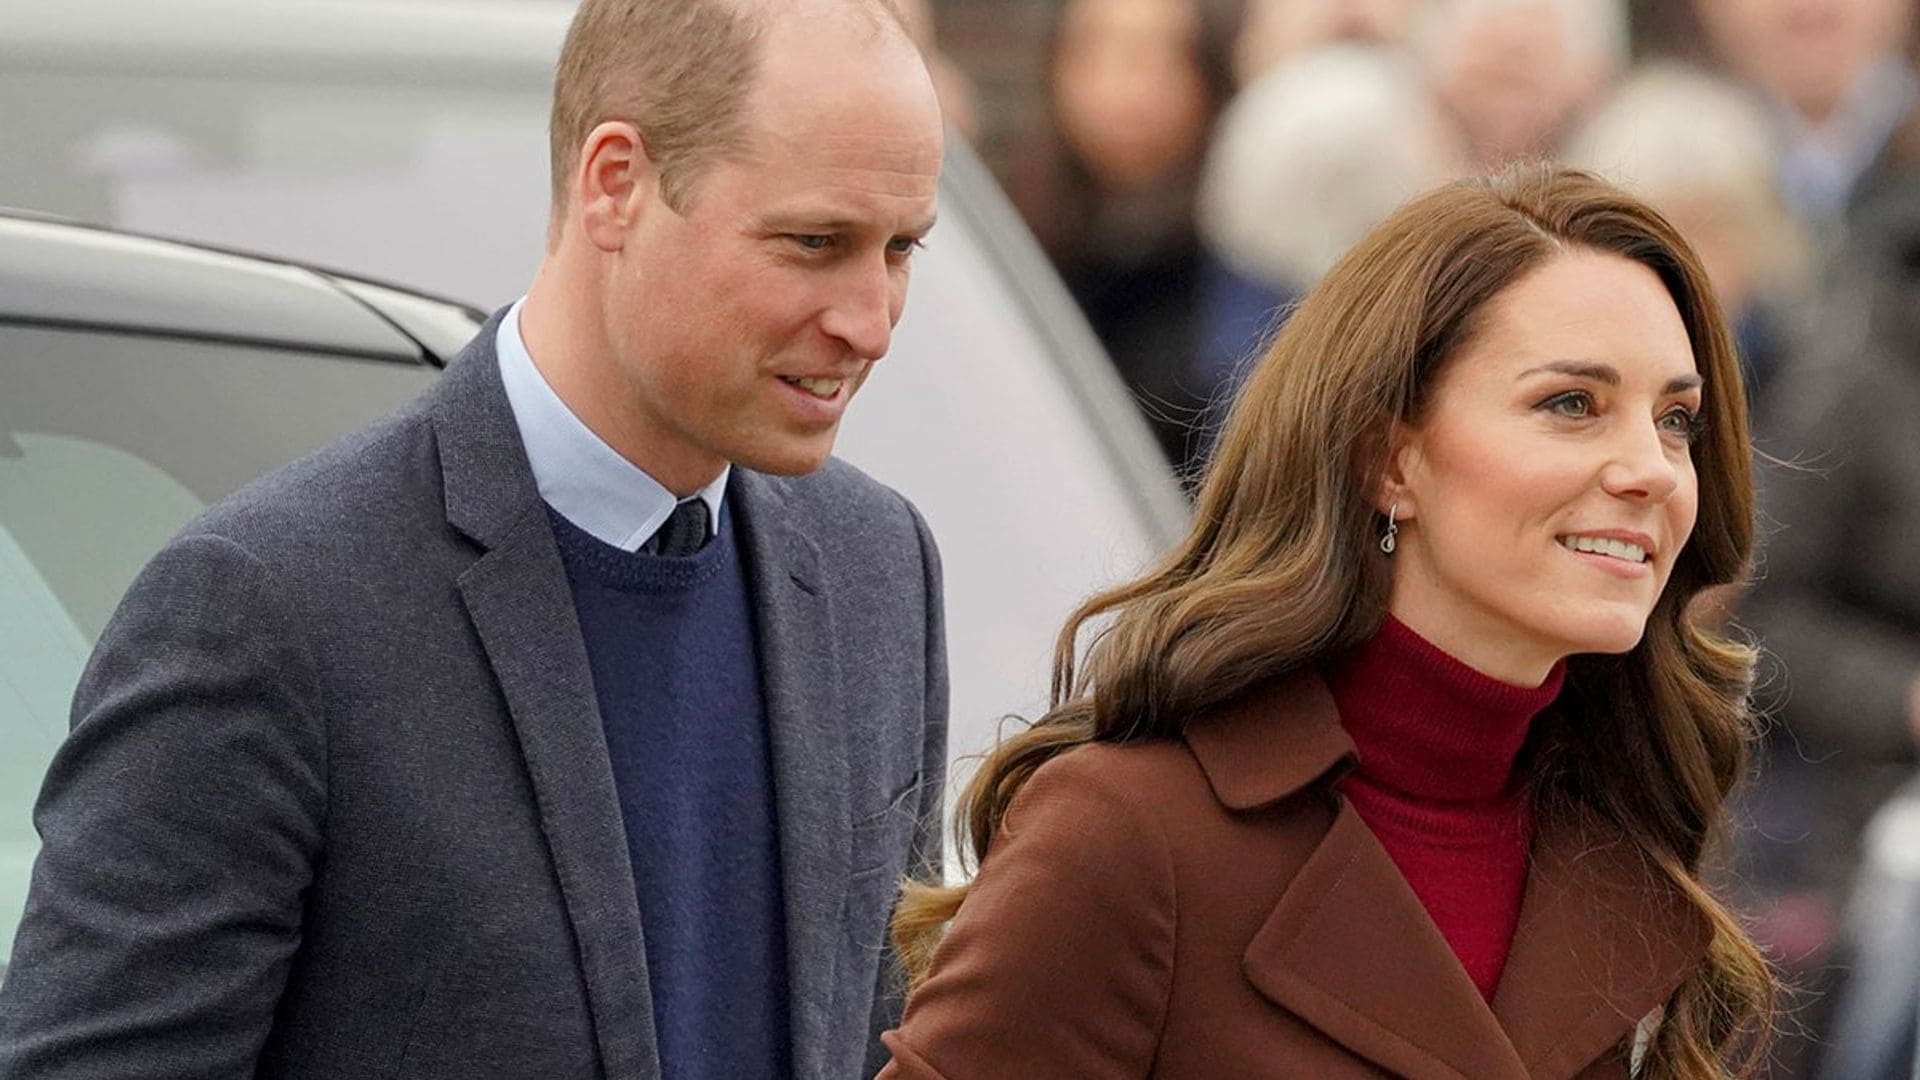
[[1808, 52], [1513, 74], [744, 323], [1128, 91]]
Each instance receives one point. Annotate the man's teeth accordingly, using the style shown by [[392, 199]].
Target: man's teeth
[[1600, 545], [825, 388]]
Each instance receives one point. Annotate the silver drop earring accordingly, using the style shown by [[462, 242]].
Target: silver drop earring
[[1388, 541]]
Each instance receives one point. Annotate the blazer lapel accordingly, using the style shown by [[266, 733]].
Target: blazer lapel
[[1349, 948], [517, 596], [1603, 940], [800, 677]]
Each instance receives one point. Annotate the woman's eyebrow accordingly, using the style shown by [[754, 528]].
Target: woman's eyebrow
[[1583, 369], [1610, 375]]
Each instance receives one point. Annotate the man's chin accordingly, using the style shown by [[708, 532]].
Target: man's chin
[[789, 460]]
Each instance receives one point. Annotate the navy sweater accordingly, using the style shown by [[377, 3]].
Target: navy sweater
[[675, 667]]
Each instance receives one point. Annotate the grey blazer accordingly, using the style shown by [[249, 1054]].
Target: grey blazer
[[336, 802]]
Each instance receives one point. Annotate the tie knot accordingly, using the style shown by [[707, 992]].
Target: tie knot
[[684, 531]]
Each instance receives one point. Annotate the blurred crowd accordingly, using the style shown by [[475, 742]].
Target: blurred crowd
[[1192, 166]]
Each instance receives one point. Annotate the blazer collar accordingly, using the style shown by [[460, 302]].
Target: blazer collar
[[489, 486], [1603, 937]]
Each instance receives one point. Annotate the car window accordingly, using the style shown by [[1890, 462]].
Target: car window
[[108, 445], [41, 653]]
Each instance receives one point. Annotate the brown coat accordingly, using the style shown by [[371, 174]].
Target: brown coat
[[1209, 909]]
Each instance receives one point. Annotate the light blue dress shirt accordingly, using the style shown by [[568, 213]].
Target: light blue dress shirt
[[1820, 166], [578, 474]]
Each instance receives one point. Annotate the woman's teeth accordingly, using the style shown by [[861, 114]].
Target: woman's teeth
[[1599, 545]]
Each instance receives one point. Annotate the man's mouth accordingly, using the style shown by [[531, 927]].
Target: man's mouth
[[824, 389], [1601, 545]]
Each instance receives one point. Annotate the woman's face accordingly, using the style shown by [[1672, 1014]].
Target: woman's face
[[1128, 92], [1549, 487]]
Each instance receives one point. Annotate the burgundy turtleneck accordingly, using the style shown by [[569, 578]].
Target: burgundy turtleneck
[[1437, 742]]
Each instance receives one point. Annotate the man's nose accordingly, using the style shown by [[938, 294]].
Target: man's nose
[[866, 306]]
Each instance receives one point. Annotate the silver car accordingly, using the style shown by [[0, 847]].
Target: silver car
[[406, 141]]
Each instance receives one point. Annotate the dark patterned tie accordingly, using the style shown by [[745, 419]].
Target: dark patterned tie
[[684, 531]]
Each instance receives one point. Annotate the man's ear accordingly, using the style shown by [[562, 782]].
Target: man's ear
[[1393, 488], [614, 184]]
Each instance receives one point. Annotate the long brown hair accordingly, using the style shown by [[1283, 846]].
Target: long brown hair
[[1279, 570]]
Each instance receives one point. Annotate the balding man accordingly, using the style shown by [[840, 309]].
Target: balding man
[[580, 719]]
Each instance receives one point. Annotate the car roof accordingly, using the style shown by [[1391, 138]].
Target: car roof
[[65, 274], [360, 41]]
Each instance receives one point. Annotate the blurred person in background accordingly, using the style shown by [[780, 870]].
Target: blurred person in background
[[1837, 598], [959, 98], [1842, 95], [1405, 760], [1875, 1031], [1517, 75], [1273, 30], [1834, 599], [1306, 160], [1133, 88], [1698, 148]]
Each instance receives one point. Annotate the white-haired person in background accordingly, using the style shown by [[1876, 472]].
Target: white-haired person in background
[[1518, 75], [1307, 158], [1273, 31]]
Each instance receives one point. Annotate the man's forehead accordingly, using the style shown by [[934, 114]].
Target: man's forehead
[[908, 205]]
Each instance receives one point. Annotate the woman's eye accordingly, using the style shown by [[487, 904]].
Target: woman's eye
[[1683, 422], [1573, 403]]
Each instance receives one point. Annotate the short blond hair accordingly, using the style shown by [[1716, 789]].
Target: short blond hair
[[678, 70]]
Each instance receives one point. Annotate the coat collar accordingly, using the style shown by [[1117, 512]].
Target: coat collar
[[1271, 743], [1603, 936]]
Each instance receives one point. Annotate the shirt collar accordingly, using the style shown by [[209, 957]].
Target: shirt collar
[[588, 482], [1820, 164]]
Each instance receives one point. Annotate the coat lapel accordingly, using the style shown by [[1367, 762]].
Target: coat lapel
[[1603, 940], [517, 596], [800, 676], [1348, 949]]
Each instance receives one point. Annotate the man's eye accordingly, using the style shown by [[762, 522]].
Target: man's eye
[[905, 245], [1574, 403], [812, 241]]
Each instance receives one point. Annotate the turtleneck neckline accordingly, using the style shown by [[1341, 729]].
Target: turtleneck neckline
[[1428, 725]]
